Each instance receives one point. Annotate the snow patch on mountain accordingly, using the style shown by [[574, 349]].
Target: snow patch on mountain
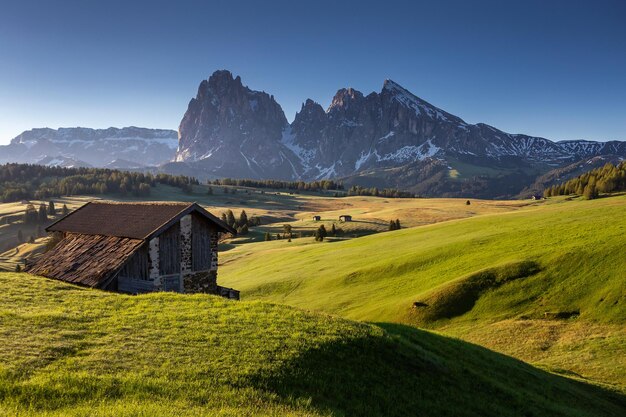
[[304, 155], [387, 136], [412, 153]]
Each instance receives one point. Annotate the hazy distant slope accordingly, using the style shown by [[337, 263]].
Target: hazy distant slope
[[66, 351], [128, 147]]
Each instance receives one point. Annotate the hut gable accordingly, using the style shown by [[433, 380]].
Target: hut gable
[[137, 247]]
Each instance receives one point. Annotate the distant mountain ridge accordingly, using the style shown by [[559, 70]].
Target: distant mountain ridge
[[80, 146], [230, 130], [386, 139]]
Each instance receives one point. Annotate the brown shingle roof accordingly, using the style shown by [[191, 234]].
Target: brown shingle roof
[[131, 220], [89, 260]]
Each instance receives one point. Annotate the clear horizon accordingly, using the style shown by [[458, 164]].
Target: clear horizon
[[554, 71]]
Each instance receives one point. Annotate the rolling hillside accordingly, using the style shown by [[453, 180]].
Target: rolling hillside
[[546, 284], [68, 351]]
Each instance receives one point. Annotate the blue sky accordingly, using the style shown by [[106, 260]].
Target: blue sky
[[549, 68]]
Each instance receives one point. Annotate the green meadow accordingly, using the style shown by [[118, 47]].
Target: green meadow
[[69, 351], [496, 308], [546, 283]]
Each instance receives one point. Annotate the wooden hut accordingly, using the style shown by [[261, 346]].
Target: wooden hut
[[137, 248], [345, 218]]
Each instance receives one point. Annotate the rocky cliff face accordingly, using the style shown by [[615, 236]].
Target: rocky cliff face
[[230, 130], [92, 147]]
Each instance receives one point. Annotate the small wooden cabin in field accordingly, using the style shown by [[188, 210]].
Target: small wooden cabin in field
[[317, 218], [137, 248], [345, 218]]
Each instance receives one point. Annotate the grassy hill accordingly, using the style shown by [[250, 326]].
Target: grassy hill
[[68, 351], [546, 283]]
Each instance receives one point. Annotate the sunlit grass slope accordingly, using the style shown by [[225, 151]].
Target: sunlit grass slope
[[577, 250], [67, 351]]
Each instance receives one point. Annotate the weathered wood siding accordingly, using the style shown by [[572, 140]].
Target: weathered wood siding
[[201, 232], [169, 251], [134, 286], [137, 266]]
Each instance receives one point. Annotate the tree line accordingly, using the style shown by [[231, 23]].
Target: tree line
[[280, 185], [375, 192], [26, 181], [608, 179]]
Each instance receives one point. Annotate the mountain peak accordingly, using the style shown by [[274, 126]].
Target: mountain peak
[[344, 97], [223, 78], [395, 89], [390, 84]]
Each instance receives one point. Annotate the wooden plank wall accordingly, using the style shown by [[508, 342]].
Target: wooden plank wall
[[134, 286], [137, 266], [169, 251], [201, 231]]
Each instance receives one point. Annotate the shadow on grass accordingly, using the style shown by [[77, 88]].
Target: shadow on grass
[[409, 372]]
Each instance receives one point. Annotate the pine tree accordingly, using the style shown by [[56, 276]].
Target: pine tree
[[321, 233], [30, 215], [580, 190], [467, 203], [243, 218], [398, 227], [230, 219], [333, 230], [268, 237], [65, 210], [392, 225], [31, 239], [590, 192], [43, 213], [51, 210], [18, 268]]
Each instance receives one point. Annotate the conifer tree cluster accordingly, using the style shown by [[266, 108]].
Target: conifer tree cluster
[[394, 225], [375, 192], [279, 185], [608, 179], [25, 181], [242, 224], [320, 233]]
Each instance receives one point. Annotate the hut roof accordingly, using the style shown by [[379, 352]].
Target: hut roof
[[89, 260], [130, 220]]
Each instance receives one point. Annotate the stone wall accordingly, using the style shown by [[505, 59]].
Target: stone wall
[[214, 243], [153, 262], [185, 246], [201, 282]]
